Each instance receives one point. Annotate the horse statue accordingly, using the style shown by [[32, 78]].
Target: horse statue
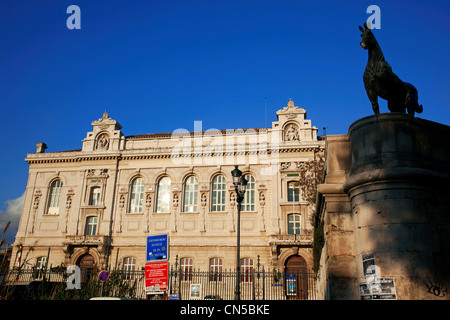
[[380, 81]]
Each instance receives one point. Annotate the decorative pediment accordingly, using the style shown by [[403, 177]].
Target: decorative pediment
[[291, 111], [292, 127], [105, 135], [105, 122]]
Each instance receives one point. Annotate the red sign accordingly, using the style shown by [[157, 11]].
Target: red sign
[[156, 276], [103, 275]]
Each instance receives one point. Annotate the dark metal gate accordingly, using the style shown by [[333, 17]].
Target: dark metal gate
[[257, 284]]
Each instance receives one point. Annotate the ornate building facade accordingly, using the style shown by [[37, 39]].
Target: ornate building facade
[[95, 207]]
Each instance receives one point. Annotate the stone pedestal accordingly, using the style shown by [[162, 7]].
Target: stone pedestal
[[399, 188]]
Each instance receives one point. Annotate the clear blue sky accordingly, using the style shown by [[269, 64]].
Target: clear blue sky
[[157, 66]]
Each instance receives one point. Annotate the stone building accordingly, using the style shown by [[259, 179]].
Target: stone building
[[94, 207]]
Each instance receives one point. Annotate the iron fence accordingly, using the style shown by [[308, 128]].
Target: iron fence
[[255, 284]]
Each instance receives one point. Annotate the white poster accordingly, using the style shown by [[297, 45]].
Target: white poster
[[379, 289], [195, 291]]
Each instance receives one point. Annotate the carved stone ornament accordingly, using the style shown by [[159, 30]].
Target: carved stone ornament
[[204, 199], [175, 200], [102, 142], [36, 202], [69, 202], [122, 201], [233, 199], [262, 198], [291, 132], [285, 165], [148, 200]]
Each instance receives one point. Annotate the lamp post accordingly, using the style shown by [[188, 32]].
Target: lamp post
[[240, 184]]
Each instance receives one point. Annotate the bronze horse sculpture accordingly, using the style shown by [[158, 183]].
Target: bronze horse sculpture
[[380, 81]]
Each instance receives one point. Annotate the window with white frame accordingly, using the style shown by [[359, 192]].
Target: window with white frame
[[293, 191], [294, 224], [163, 201], [54, 197], [41, 264], [215, 269], [248, 204], [129, 266], [137, 195], [246, 270], [91, 226], [218, 194], [94, 197], [186, 265], [190, 194]]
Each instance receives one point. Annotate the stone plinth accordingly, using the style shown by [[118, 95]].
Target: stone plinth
[[398, 185]]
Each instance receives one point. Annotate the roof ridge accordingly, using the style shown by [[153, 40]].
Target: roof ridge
[[168, 134]]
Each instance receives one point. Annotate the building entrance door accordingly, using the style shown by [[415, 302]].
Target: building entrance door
[[296, 278], [86, 264]]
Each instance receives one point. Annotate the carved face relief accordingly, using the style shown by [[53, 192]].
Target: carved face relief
[[291, 132], [102, 142]]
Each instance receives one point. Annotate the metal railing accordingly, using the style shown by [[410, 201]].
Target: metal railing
[[255, 284]]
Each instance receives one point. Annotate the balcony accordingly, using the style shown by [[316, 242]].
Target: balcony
[[291, 239]]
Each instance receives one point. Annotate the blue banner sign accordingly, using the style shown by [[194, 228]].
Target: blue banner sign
[[158, 247]]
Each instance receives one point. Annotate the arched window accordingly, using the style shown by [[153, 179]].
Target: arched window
[[246, 270], [218, 194], [54, 197], [294, 223], [137, 195], [91, 226], [163, 201], [293, 191], [129, 266], [215, 269], [248, 204], [190, 194]]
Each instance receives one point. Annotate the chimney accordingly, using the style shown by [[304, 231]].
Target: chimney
[[41, 147]]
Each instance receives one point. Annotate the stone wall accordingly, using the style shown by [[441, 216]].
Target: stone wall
[[386, 195]]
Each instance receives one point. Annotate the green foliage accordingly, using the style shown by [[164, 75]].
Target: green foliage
[[115, 286]]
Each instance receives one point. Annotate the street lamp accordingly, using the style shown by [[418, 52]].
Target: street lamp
[[240, 184]]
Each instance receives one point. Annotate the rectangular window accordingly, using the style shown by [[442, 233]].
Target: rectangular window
[[293, 191], [41, 264], [94, 198], [215, 269], [246, 270], [91, 226], [294, 223], [186, 269], [129, 266]]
